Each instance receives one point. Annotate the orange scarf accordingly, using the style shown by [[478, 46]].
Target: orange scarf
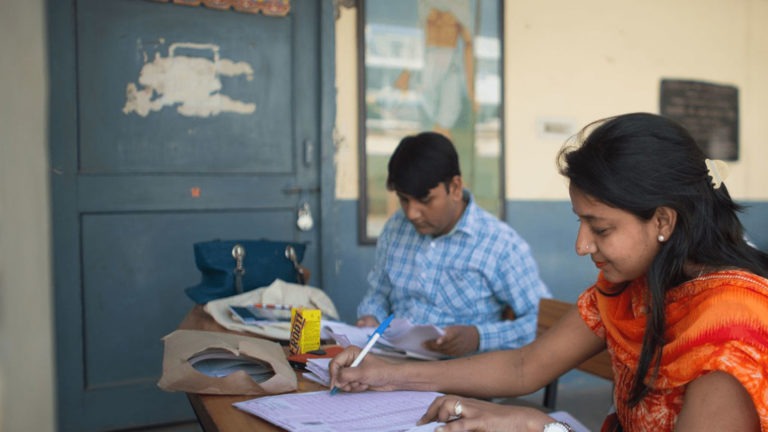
[[718, 321]]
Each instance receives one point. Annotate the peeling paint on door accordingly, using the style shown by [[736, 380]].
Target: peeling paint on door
[[192, 84]]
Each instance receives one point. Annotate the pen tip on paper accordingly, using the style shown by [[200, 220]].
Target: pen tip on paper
[[334, 391]]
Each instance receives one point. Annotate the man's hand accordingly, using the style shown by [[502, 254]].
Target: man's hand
[[457, 341], [367, 321]]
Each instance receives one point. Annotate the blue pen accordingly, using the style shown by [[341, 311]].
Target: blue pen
[[371, 341]]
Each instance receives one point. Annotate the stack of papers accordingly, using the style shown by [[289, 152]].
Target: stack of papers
[[566, 417], [401, 339], [396, 411], [219, 363], [317, 371]]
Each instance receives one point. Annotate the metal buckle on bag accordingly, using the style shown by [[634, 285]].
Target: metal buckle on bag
[[238, 253], [290, 253]]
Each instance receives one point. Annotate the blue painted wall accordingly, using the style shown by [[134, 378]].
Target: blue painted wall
[[549, 226]]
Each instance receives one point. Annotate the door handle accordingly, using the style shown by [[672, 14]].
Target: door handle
[[309, 149]]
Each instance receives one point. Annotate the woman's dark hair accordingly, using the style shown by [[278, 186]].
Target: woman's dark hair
[[638, 162], [421, 162]]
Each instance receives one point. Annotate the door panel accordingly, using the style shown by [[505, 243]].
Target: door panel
[[153, 192], [199, 73], [137, 264], [171, 125]]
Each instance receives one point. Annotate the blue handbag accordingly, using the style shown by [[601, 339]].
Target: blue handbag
[[230, 267]]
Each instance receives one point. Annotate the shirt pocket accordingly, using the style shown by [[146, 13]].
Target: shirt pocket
[[464, 293]]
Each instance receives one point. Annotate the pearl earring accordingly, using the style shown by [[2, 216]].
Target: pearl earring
[[661, 238]]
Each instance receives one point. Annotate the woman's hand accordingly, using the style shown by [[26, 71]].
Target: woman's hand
[[372, 374], [482, 416]]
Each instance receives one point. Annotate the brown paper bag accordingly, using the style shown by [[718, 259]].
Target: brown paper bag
[[180, 375]]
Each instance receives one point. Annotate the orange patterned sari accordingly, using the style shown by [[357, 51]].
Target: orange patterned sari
[[716, 322]]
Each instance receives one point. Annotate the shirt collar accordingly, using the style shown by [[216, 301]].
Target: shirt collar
[[466, 222]]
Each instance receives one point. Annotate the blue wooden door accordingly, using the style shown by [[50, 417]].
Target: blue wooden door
[[169, 125]]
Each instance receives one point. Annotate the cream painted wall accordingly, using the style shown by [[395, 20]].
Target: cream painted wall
[[346, 109], [581, 61], [26, 347]]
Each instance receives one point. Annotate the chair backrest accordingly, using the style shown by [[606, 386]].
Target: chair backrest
[[550, 311]]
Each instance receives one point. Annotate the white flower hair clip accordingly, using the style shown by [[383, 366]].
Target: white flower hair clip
[[717, 170]]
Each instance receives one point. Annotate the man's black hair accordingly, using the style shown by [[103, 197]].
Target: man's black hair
[[421, 162]]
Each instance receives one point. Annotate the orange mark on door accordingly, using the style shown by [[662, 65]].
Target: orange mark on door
[[195, 192]]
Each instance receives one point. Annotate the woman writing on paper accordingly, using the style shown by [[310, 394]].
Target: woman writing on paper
[[681, 300]]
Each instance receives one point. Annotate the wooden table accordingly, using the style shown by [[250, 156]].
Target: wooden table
[[216, 413]]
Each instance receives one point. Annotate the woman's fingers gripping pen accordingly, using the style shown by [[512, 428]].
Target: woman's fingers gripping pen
[[371, 342]]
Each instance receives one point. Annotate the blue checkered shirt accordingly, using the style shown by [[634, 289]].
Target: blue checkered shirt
[[465, 277]]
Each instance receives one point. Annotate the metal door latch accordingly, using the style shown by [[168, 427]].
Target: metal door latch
[[304, 221], [238, 253]]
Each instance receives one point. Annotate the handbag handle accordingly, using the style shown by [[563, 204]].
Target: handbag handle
[[290, 253]]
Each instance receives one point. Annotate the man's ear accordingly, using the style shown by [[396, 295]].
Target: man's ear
[[665, 219], [456, 187]]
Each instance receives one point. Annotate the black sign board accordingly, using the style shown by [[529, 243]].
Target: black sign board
[[709, 111]]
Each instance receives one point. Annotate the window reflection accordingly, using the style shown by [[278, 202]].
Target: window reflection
[[431, 65]]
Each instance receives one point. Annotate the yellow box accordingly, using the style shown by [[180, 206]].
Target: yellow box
[[305, 330]]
